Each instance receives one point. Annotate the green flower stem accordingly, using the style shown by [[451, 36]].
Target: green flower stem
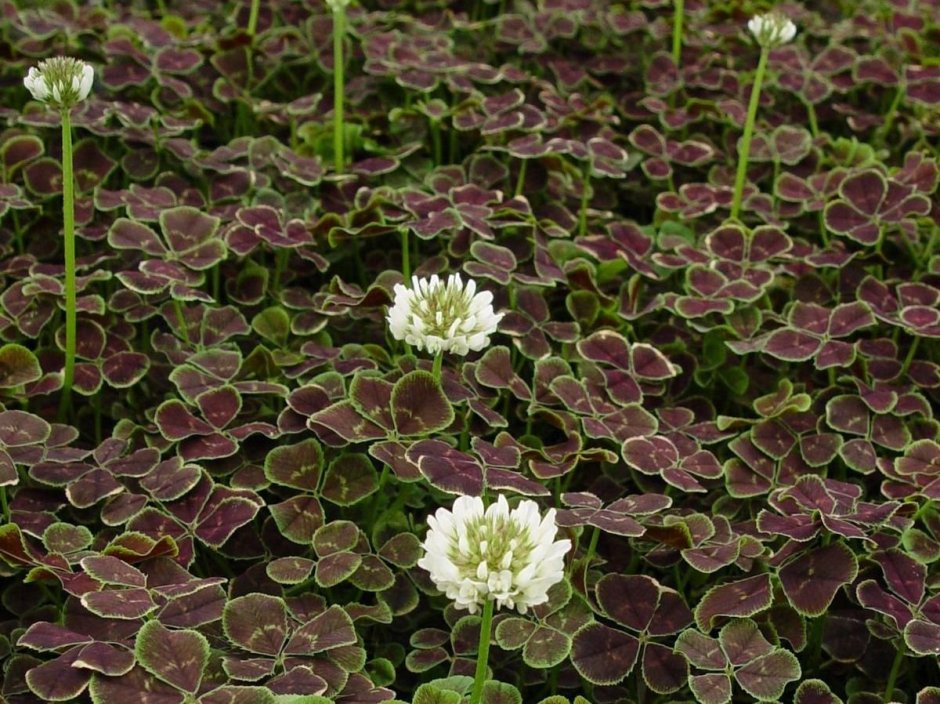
[[68, 217], [927, 252], [339, 31], [678, 16], [893, 675], [923, 510], [483, 652], [4, 505], [436, 369], [280, 264], [520, 180], [585, 197], [405, 255], [748, 133], [253, 18], [452, 146], [816, 640], [436, 142], [888, 123], [464, 444], [592, 548], [811, 117], [181, 320], [96, 405], [216, 284], [912, 350]]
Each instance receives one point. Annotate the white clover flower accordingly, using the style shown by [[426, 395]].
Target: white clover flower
[[61, 81], [772, 29], [443, 317], [511, 557], [338, 4]]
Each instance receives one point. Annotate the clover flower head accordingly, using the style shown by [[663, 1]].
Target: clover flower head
[[338, 4], [443, 317], [475, 554], [61, 81], [772, 29]]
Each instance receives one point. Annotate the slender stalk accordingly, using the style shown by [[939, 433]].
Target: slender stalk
[[910, 355], [280, 264], [815, 640], [585, 197], [923, 510], [893, 675], [436, 142], [927, 251], [357, 262], [436, 369], [589, 555], [888, 123], [823, 232], [465, 434], [68, 218], [592, 548], [776, 178], [96, 403], [678, 17], [745, 150], [452, 146], [4, 505], [405, 255], [253, 18], [483, 652], [216, 284], [811, 117], [339, 31], [181, 320], [520, 179]]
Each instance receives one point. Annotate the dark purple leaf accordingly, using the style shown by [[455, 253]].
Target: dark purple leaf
[[711, 688], [298, 518], [18, 366], [664, 671], [419, 406], [136, 686], [331, 629], [176, 422], [119, 603], [447, 469], [702, 651], [767, 676], [815, 692], [744, 597], [256, 622], [59, 680], [175, 657], [105, 658], [297, 466], [343, 419], [349, 479], [791, 345], [604, 655], [741, 641], [904, 575], [811, 580], [111, 570], [44, 636], [19, 428]]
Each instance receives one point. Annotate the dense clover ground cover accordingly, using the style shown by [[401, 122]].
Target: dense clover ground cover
[[710, 250]]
